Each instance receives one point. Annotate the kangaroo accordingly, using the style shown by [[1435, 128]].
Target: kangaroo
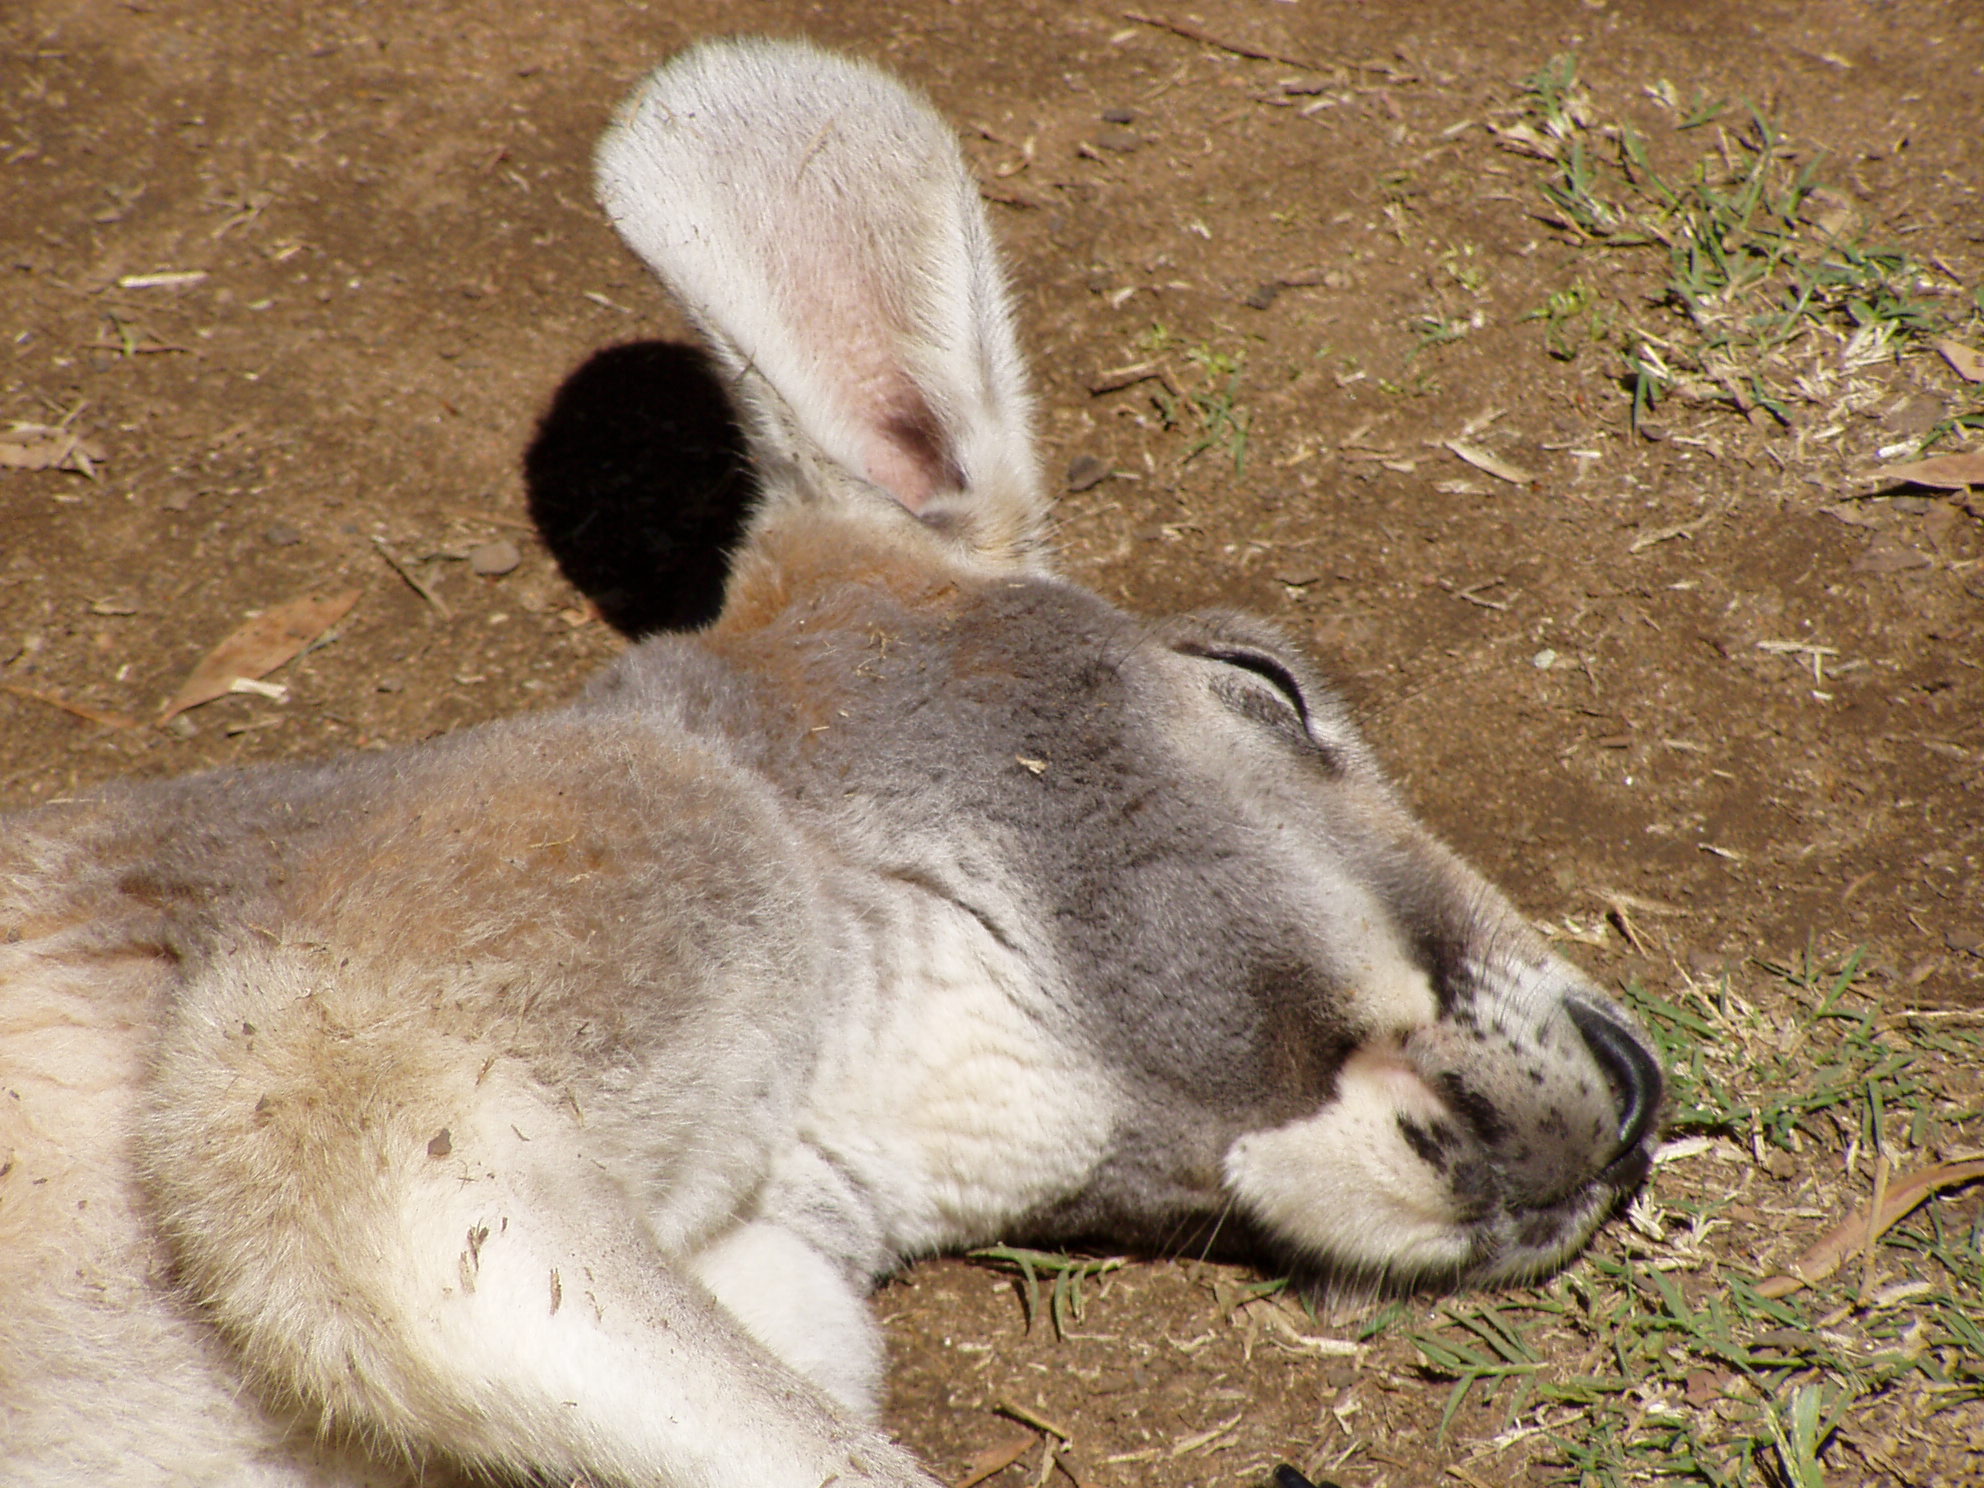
[[355, 1128]]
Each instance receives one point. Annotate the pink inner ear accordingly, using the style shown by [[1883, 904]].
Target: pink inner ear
[[907, 454], [852, 331]]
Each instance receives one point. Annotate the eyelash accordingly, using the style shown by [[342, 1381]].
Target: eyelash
[[1270, 671]]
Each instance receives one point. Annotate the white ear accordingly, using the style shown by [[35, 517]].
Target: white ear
[[817, 221]]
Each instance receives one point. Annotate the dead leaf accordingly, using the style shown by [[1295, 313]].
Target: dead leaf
[[1852, 1235], [42, 447], [259, 647], [1944, 472], [1851, 515], [1480, 459], [995, 1459], [1706, 1386], [1969, 364]]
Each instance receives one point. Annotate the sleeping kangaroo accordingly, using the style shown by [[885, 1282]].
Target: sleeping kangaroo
[[354, 1130]]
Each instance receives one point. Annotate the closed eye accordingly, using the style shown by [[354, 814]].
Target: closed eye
[[1270, 671], [1274, 694], [1263, 666]]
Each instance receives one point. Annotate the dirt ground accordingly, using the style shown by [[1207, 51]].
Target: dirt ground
[[323, 297]]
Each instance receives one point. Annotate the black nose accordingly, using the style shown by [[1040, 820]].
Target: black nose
[[1636, 1080]]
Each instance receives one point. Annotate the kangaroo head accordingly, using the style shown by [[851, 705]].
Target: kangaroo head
[[1316, 1027]]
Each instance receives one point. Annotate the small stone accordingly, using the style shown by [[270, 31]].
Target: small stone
[[1832, 212], [1085, 471], [390, 684], [1888, 554], [1912, 417], [494, 559], [1122, 141], [1544, 659], [282, 535], [1706, 965], [1119, 116]]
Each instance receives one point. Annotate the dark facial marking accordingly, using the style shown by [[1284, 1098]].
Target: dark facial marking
[[1474, 1108], [1434, 1143]]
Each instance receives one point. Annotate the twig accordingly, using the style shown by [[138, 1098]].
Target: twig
[[1472, 593], [1867, 1251], [1207, 1438], [1117, 378], [471, 514], [1686, 529], [1481, 460], [1237, 48], [1031, 1418], [103, 716], [414, 582]]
